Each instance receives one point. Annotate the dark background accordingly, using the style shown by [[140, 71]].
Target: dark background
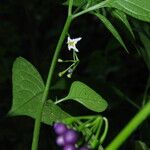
[[31, 28]]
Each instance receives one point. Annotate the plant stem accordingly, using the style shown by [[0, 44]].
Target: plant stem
[[48, 83], [70, 7], [60, 100], [105, 130], [129, 128]]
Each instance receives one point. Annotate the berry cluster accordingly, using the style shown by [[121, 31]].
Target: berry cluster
[[67, 138]]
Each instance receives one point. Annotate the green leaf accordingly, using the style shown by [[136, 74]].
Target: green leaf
[[111, 28], [139, 145], [28, 89], [86, 96], [27, 83], [123, 18], [139, 9], [51, 112]]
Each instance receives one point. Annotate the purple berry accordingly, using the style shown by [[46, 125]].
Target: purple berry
[[69, 147], [70, 136], [60, 128], [60, 140]]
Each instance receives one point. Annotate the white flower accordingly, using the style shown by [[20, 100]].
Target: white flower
[[72, 43]]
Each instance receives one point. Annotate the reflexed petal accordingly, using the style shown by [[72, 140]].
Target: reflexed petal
[[77, 39], [68, 39]]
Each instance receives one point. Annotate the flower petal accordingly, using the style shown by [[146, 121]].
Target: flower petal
[[68, 40], [77, 39]]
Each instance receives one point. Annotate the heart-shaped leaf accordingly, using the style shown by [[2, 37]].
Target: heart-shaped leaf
[[27, 83], [51, 112], [28, 89], [86, 96]]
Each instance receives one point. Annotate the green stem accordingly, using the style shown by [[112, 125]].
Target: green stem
[[99, 126], [105, 130], [70, 7], [130, 128], [66, 61], [48, 83], [60, 100]]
